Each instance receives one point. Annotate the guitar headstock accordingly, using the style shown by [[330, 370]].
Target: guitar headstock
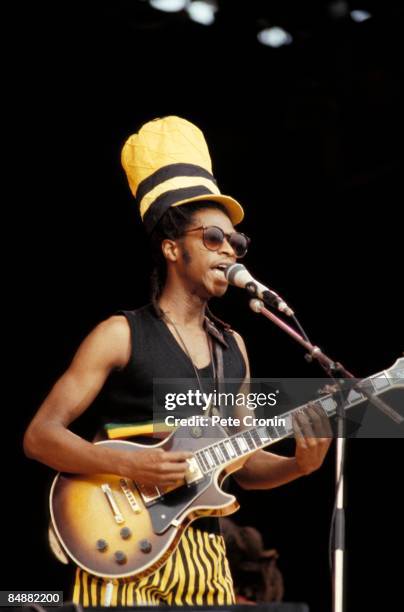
[[396, 372]]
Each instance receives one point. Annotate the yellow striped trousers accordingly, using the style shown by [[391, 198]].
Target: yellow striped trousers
[[197, 573]]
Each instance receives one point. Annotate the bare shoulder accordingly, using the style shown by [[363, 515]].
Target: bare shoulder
[[108, 343], [240, 341], [115, 327], [115, 332]]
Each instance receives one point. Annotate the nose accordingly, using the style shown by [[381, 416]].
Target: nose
[[227, 249]]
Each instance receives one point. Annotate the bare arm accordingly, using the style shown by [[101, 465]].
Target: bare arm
[[48, 438], [265, 470]]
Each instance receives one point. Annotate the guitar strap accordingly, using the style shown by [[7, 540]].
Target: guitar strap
[[218, 356], [219, 376]]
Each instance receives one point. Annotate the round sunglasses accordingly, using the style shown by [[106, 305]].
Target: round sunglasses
[[213, 238]]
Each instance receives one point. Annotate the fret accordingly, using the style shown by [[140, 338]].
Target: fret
[[202, 461], [254, 440], [212, 455], [272, 433], [319, 403], [281, 430], [367, 386], [249, 440], [218, 451], [355, 396], [237, 446], [224, 451], [263, 436], [255, 435], [230, 448], [380, 382], [288, 422], [242, 443], [208, 459], [328, 404]]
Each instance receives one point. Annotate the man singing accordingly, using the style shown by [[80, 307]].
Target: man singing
[[193, 238]]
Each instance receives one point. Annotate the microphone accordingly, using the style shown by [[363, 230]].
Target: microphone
[[238, 275]]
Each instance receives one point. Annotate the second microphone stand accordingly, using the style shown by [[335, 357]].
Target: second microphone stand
[[337, 372]]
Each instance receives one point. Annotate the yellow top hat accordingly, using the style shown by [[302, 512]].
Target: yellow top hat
[[167, 164]]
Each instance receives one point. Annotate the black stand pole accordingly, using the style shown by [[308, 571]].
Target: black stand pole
[[337, 372]]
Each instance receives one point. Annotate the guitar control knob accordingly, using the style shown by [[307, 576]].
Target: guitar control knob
[[145, 546], [101, 545], [120, 557], [125, 533]]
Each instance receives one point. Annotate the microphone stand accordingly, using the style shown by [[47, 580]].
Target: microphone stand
[[336, 371]]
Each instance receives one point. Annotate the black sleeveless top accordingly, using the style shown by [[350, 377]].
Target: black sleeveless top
[[156, 354], [127, 396]]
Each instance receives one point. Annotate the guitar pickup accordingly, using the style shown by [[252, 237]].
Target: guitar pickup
[[106, 489]]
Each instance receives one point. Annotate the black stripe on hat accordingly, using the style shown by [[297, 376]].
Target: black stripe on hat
[[168, 172], [165, 200]]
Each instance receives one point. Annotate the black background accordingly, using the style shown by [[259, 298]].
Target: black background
[[309, 138]]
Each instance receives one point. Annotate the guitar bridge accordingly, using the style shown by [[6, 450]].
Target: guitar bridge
[[149, 493], [129, 495]]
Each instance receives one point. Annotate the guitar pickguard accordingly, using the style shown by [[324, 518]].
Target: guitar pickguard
[[165, 510]]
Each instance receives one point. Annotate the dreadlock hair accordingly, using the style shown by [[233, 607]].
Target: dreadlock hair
[[172, 226]]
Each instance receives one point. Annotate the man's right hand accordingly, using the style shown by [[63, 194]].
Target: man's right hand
[[156, 466]]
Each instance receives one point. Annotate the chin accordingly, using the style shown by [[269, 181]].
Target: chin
[[214, 289], [218, 291]]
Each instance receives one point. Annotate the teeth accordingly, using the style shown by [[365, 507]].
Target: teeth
[[219, 273]]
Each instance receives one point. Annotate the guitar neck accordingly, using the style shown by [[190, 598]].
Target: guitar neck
[[245, 442]]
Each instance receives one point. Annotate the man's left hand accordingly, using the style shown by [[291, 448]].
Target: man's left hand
[[313, 436]]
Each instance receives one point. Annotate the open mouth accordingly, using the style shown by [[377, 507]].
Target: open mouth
[[220, 269]]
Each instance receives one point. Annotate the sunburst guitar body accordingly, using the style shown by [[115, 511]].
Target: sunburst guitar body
[[114, 528]]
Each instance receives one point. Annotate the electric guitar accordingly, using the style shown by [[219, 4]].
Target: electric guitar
[[114, 528]]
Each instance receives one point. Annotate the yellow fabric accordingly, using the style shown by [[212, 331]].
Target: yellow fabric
[[197, 573], [177, 182], [170, 140], [128, 431], [165, 141]]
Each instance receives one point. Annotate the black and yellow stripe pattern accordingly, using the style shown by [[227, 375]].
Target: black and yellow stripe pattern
[[167, 163], [197, 573]]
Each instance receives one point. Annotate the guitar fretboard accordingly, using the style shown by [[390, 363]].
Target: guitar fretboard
[[249, 440]]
